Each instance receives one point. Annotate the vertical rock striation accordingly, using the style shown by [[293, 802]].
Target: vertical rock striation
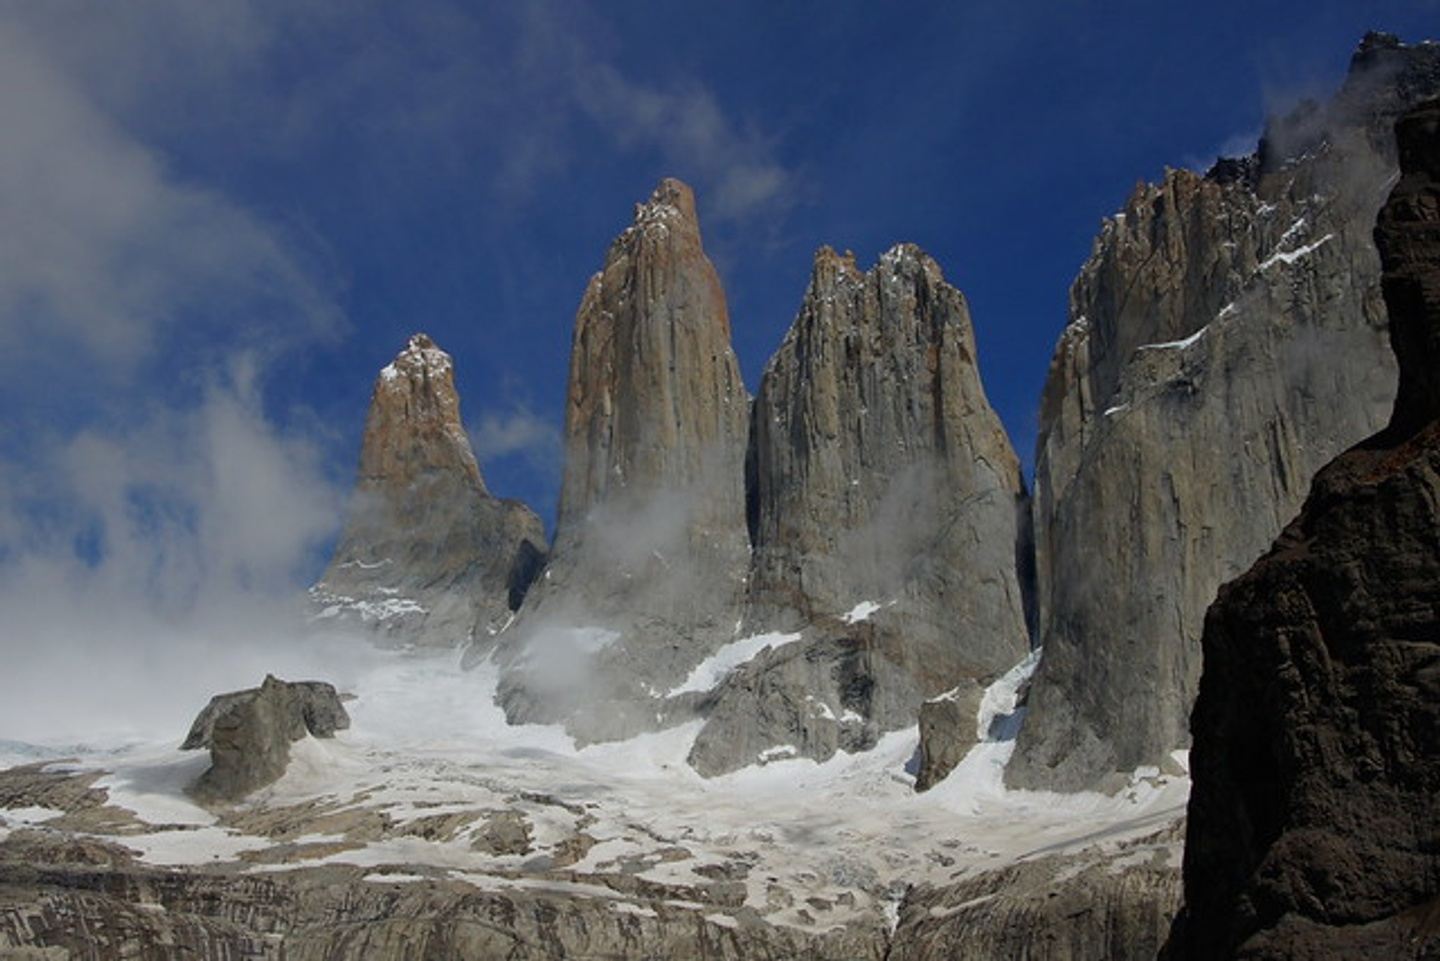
[[884, 506], [1227, 339], [1314, 829], [428, 555], [650, 542], [880, 472]]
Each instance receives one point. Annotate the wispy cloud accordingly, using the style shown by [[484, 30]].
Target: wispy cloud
[[1236, 145], [692, 132], [521, 432], [106, 252], [144, 567], [152, 535]]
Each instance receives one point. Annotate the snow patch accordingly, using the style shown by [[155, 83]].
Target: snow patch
[[711, 671], [1176, 344], [1289, 257], [862, 611]]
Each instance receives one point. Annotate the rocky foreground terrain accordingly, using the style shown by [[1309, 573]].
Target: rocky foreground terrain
[[775, 691], [446, 833]]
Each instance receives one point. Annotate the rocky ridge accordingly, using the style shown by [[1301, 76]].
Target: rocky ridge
[[1313, 830], [1229, 322], [429, 556]]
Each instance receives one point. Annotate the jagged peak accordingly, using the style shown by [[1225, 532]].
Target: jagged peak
[[420, 356], [830, 267], [671, 200]]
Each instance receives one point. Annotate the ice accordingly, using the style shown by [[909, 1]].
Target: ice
[[711, 671], [1292, 232], [379, 610]]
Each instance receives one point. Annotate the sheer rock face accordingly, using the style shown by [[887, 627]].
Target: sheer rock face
[[878, 475], [1313, 827], [428, 555], [650, 543], [1227, 339]]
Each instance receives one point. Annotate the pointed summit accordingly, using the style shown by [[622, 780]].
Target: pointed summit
[[655, 399], [428, 555], [650, 541], [414, 424]]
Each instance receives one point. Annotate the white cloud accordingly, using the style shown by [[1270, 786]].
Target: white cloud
[[105, 251], [146, 567], [692, 132], [519, 432], [151, 539]]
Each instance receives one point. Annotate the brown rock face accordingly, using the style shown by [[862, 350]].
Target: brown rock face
[[655, 403], [650, 542], [428, 555], [1227, 340], [947, 732], [1314, 829]]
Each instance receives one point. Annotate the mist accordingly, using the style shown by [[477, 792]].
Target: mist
[[147, 567]]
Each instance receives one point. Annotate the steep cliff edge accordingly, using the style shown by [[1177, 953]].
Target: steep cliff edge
[[1313, 828], [885, 507], [650, 542], [1227, 339], [428, 555]]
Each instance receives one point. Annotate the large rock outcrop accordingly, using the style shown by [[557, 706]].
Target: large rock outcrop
[[249, 733], [1227, 338], [885, 507], [428, 555], [1314, 825], [650, 541]]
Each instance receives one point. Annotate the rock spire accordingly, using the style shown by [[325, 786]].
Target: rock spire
[[650, 542], [428, 555], [885, 505]]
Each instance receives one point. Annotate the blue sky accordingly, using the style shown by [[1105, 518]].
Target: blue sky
[[224, 217]]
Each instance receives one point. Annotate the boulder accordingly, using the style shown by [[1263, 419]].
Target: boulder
[[249, 733]]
